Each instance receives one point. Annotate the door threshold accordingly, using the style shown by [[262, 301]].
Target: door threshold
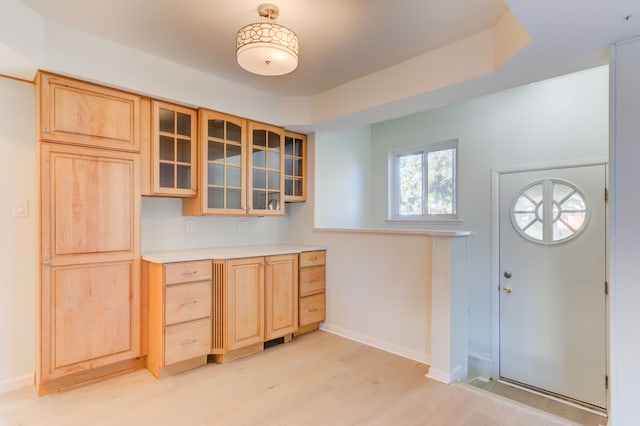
[[590, 408]]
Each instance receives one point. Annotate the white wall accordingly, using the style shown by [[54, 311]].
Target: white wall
[[343, 184], [624, 234], [378, 286], [164, 228], [563, 119], [18, 235]]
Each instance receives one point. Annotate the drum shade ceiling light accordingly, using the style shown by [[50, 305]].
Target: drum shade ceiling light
[[265, 47]]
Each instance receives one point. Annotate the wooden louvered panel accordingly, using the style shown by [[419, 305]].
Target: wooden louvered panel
[[219, 322]]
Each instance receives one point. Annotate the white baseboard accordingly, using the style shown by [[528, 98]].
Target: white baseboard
[[480, 366], [16, 383], [377, 343]]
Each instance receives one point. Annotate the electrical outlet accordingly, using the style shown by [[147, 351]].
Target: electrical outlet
[[20, 207], [243, 227], [188, 225]]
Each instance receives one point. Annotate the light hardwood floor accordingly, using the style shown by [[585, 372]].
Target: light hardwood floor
[[318, 379]]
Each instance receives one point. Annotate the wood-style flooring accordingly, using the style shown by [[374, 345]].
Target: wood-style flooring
[[542, 402], [318, 379]]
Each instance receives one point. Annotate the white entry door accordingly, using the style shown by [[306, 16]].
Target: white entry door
[[552, 281]]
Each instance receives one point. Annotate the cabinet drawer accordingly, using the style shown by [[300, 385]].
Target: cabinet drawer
[[187, 302], [312, 258], [311, 280], [186, 272], [312, 309], [186, 341]]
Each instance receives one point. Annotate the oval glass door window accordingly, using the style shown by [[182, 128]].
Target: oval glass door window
[[549, 211]]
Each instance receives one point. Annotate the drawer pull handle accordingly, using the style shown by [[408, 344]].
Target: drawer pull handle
[[313, 259], [313, 310], [189, 272], [189, 342], [313, 281], [190, 302]]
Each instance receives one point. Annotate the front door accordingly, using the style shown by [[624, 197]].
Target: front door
[[552, 281]]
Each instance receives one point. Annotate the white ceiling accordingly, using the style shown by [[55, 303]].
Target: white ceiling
[[342, 41]]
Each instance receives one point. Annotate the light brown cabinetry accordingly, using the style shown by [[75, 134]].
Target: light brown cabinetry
[[295, 167], [222, 167], [170, 154], [258, 303], [265, 170], [312, 290], [79, 113], [180, 299], [88, 293]]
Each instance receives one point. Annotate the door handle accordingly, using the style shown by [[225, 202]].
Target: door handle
[[507, 290]]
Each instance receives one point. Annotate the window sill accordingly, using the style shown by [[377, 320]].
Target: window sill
[[429, 221]]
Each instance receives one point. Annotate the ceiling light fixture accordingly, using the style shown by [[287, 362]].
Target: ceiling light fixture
[[267, 48]]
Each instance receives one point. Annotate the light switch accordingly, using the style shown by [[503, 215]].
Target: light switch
[[20, 207], [188, 225]]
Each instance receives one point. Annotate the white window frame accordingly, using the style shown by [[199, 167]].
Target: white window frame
[[393, 183]]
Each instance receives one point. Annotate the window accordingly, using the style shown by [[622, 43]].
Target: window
[[549, 211], [422, 182]]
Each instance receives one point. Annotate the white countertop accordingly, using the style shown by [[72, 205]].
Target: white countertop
[[232, 252]]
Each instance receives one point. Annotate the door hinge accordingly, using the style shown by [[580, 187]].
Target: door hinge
[[606, 195], [606, 288], [606, 382]]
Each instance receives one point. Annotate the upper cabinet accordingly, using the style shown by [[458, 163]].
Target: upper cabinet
[[79, 113], [241, 168], [265, 165], [171, 166], [222, 167], [295, 167]]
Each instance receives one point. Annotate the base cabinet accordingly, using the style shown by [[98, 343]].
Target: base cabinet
[[312, 290], [258, 303], [180, 301]]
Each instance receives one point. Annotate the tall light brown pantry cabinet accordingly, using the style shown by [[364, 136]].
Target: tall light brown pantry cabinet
[[89, 298]]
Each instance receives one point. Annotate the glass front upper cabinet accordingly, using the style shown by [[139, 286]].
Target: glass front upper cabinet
[[174, 150], [265, 165], [223, 165], [295, 167]]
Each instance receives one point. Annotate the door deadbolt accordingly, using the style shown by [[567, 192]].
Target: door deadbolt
[[507, 274]]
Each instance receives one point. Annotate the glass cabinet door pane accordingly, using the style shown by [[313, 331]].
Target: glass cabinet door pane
[[274, 161], [216, 151], [233, 199], [216, 129], [259, 200], [166, 175], [166, 148], [297, 187], [259, 179], [184, 150], [259, 158], [184, 177], [215, 198], [274, 180], [216, 176], [184, 124], [297, 147], [260, 137], [274, 201], [167, 120], [233, 176], [234, 153], [297, 168], [288, 145], [234, 132], [274, 141], [288, 166], [288, 187]]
